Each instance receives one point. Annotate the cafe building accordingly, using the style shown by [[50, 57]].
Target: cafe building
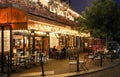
[[31, 27]]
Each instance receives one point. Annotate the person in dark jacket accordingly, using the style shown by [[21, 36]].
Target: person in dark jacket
[[63, 52]]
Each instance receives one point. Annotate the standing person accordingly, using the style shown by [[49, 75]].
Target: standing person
[[53, 51]]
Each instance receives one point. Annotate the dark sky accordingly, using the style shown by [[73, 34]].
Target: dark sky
[[79, 5]]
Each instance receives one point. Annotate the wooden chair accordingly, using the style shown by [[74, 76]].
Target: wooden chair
[[73, 62]]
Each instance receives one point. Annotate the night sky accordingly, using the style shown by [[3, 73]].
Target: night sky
[[80, 5]]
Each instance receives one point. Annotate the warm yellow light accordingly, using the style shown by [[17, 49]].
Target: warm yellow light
[[47, 0], [14, 50], [73, 12]]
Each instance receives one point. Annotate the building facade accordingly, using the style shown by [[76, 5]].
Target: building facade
[[31, 27]]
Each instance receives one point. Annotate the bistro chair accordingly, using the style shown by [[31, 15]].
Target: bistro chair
[[28, 59], [21, 58], [83, 64], [73, 62], [34, 58], [90, 57], [96, 57], [15, 67]]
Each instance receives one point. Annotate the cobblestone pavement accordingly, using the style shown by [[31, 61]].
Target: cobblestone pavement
[[111, 72]]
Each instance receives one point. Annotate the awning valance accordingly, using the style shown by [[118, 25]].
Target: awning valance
[[13, 16]]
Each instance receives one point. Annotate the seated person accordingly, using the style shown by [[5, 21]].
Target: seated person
[[63, 52], [63, 49], [53, 51]]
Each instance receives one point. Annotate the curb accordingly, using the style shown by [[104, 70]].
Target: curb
[[93, 71]]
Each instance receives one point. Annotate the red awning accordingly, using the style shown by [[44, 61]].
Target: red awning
[[13, 16]]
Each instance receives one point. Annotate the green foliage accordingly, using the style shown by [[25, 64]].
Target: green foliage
[[103, 18], [83, 27]]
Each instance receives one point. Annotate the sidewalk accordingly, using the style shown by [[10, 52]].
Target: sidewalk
[[60, 68]]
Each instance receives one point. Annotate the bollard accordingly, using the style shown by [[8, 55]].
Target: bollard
[[77, 62], [101, 59], [111, 57], [42, 64]]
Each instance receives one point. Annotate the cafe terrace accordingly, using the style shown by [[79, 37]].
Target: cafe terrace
[[31, 27]]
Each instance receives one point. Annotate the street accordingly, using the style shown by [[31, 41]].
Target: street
[[111, 72]]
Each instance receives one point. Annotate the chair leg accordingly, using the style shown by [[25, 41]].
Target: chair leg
[[84, 66]]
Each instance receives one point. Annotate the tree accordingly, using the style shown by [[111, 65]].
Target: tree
[[103, 18], [82, 27]]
